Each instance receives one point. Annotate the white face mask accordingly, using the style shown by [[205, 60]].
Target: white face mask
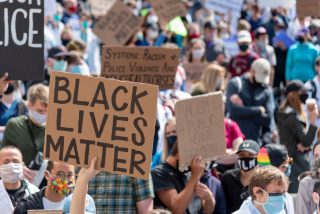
[[152, 19], [11, 172], [152, 34], [198, 53], [38, 118]]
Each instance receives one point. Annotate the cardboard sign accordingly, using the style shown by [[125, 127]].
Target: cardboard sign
[[44, 212], [21, 39], [200, 128], [118, 25], [289, 4], [167, 10], [100, 7], [107, 118], [308, 8], [194, 71], [151, 65]]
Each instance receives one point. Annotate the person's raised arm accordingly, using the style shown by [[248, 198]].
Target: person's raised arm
[[80, 191], [178, 202]]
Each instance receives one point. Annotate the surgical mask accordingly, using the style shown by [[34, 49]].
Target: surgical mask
[[247, 164], [60, 65], [288, 171], [62, 186], [244, 47], [85, 24], [262, 45], [198, 53], [171, 140], [11, 172], [303, 98], [79, 69], [152, 19], [57, 17], [274, 204], [38, 118], [152, 34]]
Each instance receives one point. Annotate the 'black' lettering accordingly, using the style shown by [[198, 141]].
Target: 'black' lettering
[[114, 99], [76, 95], [58, 122], [100, 90], [135, 100], [72, 148], [135, 163], [103, 155], [64, 88], [98, 131], [134, 135], [117, 160], [116, 128], [87, 149], [55, 146]]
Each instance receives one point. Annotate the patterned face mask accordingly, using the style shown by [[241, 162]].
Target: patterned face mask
[[62, 186]]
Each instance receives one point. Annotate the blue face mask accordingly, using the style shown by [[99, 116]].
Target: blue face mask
[[78, 69], [60, 65], [57, 17], [275, 203], [288, 171]]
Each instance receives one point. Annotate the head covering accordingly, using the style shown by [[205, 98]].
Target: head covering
[[272, 154], [10, 89], [303, 31], [90, 207], [260, 31], [210, 24], [262, 70], [295, 85], [249, 146], [244, 36]]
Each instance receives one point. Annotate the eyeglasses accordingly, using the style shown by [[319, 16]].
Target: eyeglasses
[[63, 175]]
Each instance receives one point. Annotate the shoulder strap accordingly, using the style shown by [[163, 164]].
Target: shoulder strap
[[239, 81], [314, 89], [31, 134]]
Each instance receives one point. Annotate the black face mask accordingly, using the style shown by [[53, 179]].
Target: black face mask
[[303, 98], [65, 42], [171, 140], [300, 39], [243, 47], [247, 164]]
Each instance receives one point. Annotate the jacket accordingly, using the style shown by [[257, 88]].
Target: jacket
[[248, 208], [304, 203], [33, 202], [6, 205]]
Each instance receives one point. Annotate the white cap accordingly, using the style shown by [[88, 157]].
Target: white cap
[[262, 70], [244, 36]]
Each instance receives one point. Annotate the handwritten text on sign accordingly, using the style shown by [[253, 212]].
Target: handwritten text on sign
[[118, 25], [151, 65], [110, 119], [200, 128], [21, 39]]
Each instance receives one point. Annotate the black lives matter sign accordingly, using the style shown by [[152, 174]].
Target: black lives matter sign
[[21, 39], [110, 119]]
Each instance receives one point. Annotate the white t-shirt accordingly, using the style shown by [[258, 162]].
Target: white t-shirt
[[49, 205]]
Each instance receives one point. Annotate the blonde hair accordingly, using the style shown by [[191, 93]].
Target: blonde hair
[[264, 176], [38, 92], [165, 150], [210, 78]]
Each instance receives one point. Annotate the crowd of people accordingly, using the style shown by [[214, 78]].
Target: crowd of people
[[268, 68]]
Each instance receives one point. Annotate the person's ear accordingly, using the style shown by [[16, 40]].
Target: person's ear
[[29, 105], [257, 191], [47, 175], [315, 197]]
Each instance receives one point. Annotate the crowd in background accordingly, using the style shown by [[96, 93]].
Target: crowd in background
[[267, 66]]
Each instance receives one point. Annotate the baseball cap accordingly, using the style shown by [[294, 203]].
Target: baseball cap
[[90, 207], [260, 31], [262, 70], [272, 154], [249, 146], [244, 36], [210, 24], [295, 85]]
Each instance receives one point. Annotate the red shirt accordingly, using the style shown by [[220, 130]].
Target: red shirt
[[232, 132], [241, 64]]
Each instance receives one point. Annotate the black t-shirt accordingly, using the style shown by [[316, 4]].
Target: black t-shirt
[[17, 195], [234, 192], [164, 177]]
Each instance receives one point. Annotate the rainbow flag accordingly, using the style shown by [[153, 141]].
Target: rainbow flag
[[263, 157]]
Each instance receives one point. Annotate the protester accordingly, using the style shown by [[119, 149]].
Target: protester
[[292, 121], [250, 102], [60, 178], [171, 190], [13, 188], [235, 182], [277, 156], [27, 132], [268, 186], [241, 63], [315, 196], [301, 57], [303, 201]]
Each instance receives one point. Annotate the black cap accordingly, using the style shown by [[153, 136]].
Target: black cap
[[249, 146], [210, 24], [52, 52], [296, 85], [10, 89], [278, 154]]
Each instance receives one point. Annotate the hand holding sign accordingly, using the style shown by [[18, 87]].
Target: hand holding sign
[[4, 83]]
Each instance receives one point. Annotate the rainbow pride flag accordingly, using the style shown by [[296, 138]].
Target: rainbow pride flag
[[263, 157]]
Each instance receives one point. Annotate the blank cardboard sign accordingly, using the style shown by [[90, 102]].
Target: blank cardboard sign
[[118, 25], [167, 10], [151, 65], [22, 39], [194, 70], [100, 7], [113, 120], [200, 128]]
